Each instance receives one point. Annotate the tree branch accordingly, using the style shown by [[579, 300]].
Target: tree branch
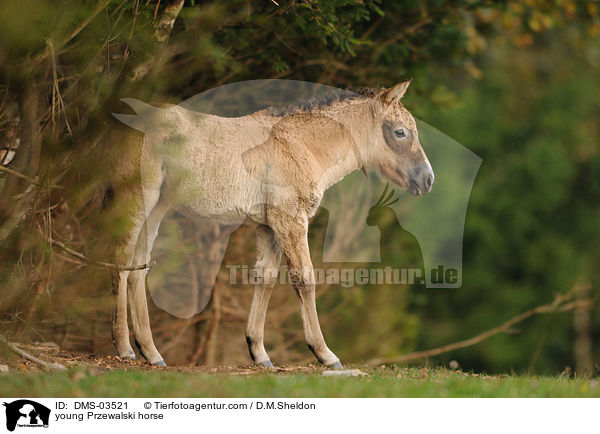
[[97, 263], [18, 175], [163, 26], [53, 366], [89, 19], [561, 303]]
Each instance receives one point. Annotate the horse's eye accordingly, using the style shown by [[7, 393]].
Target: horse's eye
[[400, 133]]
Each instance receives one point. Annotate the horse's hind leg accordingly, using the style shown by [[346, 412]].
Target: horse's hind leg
[[268, 258], [138, 303], [120, 330], [123, 257]]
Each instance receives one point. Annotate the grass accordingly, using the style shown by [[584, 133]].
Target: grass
[[381, 382]]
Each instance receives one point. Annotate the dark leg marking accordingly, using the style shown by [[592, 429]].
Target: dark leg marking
[[265, 364], [161, 363], [312, 350], [337, 365], [249, 342]]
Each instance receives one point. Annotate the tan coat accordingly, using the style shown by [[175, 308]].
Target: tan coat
[[272, 169]]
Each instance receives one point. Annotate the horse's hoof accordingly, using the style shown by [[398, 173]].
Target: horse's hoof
[[266, 364], [129, 355], [161, 363], [336, 366]]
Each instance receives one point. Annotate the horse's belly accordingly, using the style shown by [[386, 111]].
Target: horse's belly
[[226, 203]]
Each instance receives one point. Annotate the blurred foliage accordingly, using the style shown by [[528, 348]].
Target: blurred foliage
[[530, 230], [516, 82]]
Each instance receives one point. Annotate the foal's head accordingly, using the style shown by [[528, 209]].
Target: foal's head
[[398, 154]]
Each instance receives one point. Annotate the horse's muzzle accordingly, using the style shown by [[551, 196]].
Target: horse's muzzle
[[421, 180]]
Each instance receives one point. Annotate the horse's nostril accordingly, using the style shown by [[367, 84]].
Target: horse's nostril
[[429, 181]]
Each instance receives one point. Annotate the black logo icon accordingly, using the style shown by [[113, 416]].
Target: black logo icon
[[26, 413]]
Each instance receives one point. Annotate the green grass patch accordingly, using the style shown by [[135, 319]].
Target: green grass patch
[[380, 382]]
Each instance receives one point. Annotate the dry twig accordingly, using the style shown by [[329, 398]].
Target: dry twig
[[100, 264], [52, 366], [561, 303]]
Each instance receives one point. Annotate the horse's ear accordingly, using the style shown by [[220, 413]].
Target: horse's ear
[[393, 94]]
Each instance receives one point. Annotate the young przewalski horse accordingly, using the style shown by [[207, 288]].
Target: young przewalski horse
[[269, 167]]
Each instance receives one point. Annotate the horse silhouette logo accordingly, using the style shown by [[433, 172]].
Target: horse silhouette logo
[[26, 413]]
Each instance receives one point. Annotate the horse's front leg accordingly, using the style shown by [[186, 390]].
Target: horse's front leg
[[268, 257], [291, 236]]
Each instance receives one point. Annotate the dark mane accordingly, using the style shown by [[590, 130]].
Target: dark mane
[[323, 101]]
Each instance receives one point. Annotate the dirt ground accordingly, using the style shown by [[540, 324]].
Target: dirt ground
[[70, 359]]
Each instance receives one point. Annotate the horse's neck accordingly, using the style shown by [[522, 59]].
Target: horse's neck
[[337, 170], [357, 119]]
